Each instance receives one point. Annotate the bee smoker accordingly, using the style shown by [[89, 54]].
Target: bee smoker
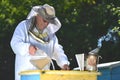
[[92, 60]]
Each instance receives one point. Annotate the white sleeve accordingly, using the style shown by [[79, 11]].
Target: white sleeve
[[59, 54], [18, 44]]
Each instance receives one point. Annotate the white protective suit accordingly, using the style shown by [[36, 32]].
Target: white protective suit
[[21, 41]]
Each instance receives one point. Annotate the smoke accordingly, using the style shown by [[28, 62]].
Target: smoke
[[112, 35]]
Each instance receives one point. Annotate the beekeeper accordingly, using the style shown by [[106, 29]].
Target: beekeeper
[[37, 32]]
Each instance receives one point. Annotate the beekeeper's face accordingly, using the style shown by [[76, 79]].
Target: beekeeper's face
[[41, 23]]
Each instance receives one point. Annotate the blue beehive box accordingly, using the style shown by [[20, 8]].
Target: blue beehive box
[[109, 71], [31, 76]]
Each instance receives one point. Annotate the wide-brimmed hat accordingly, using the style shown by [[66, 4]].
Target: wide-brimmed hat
[[47, 12]]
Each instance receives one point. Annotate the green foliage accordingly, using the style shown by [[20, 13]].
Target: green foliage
[[83, 22]]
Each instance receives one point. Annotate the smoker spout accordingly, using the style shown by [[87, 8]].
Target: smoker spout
[[95, 51]]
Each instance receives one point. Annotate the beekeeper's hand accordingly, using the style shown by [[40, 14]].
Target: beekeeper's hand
[[66, 67], [32, 50]]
